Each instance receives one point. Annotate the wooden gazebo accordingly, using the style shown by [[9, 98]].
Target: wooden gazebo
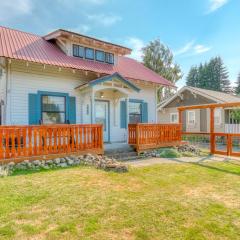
[[229, 136]]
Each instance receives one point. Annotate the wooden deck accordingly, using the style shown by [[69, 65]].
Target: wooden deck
[[149, 136], [30, 141]]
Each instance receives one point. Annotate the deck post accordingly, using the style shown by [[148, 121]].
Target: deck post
[[137, 137], [212, 137]]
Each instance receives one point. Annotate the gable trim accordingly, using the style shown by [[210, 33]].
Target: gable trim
[[109, 78], [159, 108]]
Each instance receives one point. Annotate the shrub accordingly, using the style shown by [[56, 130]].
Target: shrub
[[169, 153]]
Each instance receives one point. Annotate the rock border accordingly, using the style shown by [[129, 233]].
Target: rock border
[[99, 162]]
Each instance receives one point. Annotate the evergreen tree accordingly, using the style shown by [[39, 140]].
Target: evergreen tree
[[237, 88], [212, 75], [192, 77], [224, 77]]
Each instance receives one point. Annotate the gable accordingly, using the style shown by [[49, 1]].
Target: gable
[[187, 98]]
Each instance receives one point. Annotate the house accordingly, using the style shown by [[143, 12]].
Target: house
[[198, 120], [66, 77]]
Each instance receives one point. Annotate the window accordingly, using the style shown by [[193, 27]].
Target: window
[[89, 53], [78, 51], [191, 117], [135, 112], [173, 117], [53, 109], [109, 58], [217, 116], [100, 56]]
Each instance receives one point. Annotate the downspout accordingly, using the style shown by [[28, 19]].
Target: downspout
[[156, 116]]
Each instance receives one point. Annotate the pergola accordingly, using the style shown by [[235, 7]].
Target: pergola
[[212, 133]]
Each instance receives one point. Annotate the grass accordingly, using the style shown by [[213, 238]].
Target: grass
[[167, 201]]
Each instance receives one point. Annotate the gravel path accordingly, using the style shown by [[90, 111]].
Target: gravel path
[[152, 161]]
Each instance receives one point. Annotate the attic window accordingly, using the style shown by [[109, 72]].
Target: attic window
[[92, 54], [78, 51], [89, 53], [100, 56], [109, 58]]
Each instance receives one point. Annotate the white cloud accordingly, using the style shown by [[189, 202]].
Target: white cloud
[[216, 4], [14, 8], [82, 29], [191, 48], [104, 19], [201, 49], [136, 45], [188, 46]]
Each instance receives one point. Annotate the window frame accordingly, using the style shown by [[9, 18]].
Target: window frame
[[100, 51], [134, 114], [65, 107], [177, 118], [110, 54], [87, 48], [78, 51], [188, 118]]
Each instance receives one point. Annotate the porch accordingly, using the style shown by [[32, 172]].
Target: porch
[[112, 101], [21, 142]]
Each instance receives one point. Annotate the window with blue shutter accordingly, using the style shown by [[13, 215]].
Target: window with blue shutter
[[51, 108]]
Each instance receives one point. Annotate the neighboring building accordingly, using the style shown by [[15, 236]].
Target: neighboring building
[[198, 120], [65, 77]]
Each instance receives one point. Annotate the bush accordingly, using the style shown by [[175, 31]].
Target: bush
[[169, 153]]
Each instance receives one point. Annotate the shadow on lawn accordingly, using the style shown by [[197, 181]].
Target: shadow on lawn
[[19, 172], [200, 163]]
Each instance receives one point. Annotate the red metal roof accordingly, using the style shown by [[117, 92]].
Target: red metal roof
[[20, 45]]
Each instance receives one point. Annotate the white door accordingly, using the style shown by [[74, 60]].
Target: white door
[[102, 117]]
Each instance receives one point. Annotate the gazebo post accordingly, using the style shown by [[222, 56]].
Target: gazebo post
[[212, 136]]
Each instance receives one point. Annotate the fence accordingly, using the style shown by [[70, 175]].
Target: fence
[[147, 136], [29, 141]]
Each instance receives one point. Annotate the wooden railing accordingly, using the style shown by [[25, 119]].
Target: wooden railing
[[29, 141], [147, 136]]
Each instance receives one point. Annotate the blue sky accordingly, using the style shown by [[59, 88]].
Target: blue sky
[[195, 30]]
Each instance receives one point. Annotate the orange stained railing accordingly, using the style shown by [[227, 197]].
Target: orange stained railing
[[30, 141], [147, 136]]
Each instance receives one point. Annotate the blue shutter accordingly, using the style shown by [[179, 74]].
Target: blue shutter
[[72, 110], [145, 112], [33, 109], [123, 112]]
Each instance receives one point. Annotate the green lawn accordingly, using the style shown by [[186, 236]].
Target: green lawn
[[167, 201]]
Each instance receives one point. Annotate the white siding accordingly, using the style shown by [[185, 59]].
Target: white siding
[[25, 80]]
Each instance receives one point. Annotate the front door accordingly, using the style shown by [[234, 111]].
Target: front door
[[102, 117]]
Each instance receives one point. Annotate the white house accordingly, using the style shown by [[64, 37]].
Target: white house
[[65, 77]]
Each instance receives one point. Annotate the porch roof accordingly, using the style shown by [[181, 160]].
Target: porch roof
[[109, 78]]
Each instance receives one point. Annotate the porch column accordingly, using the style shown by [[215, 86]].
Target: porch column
[[92, 107], [127, 114]]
